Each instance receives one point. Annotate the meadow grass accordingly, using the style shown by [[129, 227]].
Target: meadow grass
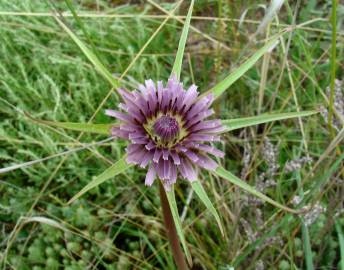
[[118, 225]]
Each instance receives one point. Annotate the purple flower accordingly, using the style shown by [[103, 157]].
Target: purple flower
[[168, 130]]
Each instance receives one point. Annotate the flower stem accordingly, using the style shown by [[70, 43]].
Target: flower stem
[[171, 231]]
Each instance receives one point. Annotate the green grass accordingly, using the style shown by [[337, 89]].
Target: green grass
[[118, 225]]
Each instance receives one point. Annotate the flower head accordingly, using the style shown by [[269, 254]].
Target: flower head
[[168, 130]]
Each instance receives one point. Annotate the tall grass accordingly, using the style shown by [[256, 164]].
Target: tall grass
[[118, 225]]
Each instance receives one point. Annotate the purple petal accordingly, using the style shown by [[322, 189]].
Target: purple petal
[[204, 137], [140, 103], [133, 148], [137, 134], [157, 155], [150, 176], [126, 95], [173, 174], [199, 117], [130, 127], [160, 91], [143, 91], [191, 155], [159, 168], [146, 158], [190, 97], [175, 157], [211, 150], [166, 170], [151, 145], [207, 163], [187, 170], [206, 125], [196, 108], [152, 98], [137, 156], [137, 114], [119, 115], [116, 131], [165, 153], [140, 141], [123, 107], [181, 148]]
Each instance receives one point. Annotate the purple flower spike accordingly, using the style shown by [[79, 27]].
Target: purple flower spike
[[167, 130]]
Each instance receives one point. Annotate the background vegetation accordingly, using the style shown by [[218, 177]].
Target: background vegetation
[[118, 225]]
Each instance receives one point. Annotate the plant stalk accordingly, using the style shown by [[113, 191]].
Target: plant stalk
[[171, 231]]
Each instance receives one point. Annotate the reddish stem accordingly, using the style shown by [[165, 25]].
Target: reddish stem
[[171, 231]]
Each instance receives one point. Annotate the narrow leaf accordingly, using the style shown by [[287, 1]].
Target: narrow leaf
[[33, 162], [220, 171], [177, 66], [89, 54], [81, 25], [222, 86], [341, 244], [91, 128], [334, 143], [44, 220], [307, 247], [233, 124], [117, 168], [84, 127], [270, 14], [198, 188], [173, 205], [325, 177]]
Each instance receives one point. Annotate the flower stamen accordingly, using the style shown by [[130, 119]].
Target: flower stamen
[[167, 128]]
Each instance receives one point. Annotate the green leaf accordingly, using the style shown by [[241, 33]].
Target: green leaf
[[117, 168], [80, 25], [91, 128], [220, 171], [177, 66], [233, 124], [222, 86], [307, 247], [198, 188], [33, 162], [341, 244], [324, 178], [174, 210], [83, 127], [89, 54], [45, 221]]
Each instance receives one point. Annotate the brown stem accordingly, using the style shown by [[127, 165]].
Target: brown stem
[[171, 231]]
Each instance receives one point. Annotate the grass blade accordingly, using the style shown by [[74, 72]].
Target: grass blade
[[233, 124], [220, 171], [307, 247], [334, 143], [270, 14], [117, 168], [341, 244], [33, 162], [222, 86], [174, 210], [333, 64], [90, 55], [81, 25], [198, 188], [45, 221], [325, 177], [177, 66], [84, 127]]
